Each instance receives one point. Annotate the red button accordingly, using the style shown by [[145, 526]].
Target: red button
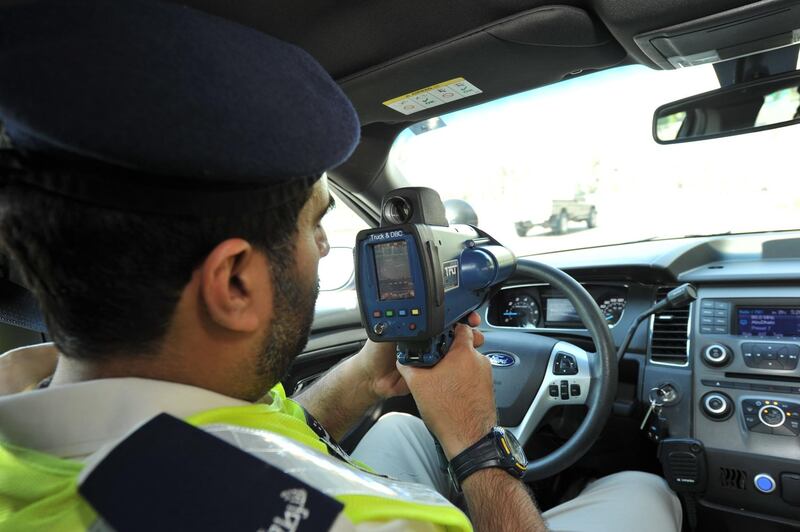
[[412, 326], [376, 314]]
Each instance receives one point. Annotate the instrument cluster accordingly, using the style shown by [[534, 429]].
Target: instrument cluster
[[543, 307]]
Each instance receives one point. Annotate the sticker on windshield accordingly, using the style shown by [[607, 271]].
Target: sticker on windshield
[[441, 93]]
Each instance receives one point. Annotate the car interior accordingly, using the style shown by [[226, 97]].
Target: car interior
[[703, 390]]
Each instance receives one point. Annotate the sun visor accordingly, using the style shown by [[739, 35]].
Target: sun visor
[[739, 32], [518, 53]]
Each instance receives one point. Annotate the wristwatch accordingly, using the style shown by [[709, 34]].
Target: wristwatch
[[499, 448]]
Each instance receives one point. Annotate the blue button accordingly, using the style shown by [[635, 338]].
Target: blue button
[[764, 483], [401, 312]]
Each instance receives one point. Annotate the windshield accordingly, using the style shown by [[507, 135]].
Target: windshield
[[574, 165]]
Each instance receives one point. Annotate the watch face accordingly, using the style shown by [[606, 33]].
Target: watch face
[[513, 448]]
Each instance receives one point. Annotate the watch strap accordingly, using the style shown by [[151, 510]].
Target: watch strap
[[481, 455]]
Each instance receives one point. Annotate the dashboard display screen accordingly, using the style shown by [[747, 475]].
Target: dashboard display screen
[[773, 322], [560, 310], [394, 271]]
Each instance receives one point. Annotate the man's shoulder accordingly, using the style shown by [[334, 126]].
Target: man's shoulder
[[74, 420]]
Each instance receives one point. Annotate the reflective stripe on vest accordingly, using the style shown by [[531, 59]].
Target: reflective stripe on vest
[[366, 496]]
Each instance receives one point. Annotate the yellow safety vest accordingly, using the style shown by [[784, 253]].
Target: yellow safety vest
[[38, 491]]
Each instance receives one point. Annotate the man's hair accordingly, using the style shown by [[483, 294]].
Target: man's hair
[[108, 281]]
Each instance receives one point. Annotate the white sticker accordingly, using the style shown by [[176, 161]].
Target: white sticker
[[441, 93]]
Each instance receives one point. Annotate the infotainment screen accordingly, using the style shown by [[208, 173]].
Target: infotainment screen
[[560, 310], [765, 321], [394, 271]]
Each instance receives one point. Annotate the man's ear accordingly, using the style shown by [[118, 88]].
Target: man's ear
[[236, 286]]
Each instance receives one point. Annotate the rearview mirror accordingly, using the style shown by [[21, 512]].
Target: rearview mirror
[[755, 106]]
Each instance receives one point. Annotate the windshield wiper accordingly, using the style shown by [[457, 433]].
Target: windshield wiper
[[699, 235], [730, 232]]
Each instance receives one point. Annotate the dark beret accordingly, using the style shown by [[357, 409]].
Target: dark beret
[[166, 90]]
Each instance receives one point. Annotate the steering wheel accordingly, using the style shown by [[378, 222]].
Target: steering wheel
[[523, 390]]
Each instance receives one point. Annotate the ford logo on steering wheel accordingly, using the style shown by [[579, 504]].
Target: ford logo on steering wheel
[[500, 360]]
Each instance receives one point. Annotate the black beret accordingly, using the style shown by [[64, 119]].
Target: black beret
[[164, 90]]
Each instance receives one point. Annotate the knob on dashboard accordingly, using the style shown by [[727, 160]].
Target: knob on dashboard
[[717, 406], [717, 355], [772, 416]]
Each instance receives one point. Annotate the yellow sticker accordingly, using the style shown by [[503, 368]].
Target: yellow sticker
[[439, 94]]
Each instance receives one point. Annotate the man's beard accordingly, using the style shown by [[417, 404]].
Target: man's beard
[[293, 313]]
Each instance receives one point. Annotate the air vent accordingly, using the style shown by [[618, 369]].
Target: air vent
[[669, 341], [732, 478]]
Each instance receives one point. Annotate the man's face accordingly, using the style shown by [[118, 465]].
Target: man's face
[[295, 287], [312, 242]]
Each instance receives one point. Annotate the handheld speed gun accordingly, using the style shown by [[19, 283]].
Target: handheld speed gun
[[417, 276]]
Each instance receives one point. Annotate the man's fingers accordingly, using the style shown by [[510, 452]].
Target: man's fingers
[[464, 339], [407, 372], [474, 319], [463, 336], [477, 339]]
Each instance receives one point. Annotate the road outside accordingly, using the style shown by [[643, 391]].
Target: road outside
[[672, 213]]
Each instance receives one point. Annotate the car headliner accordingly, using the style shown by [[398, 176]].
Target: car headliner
[[381, 49]]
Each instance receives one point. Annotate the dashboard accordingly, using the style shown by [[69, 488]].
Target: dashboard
[[539, 306], [731, 436]]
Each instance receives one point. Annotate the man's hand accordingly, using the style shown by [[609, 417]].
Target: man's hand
[[456, 396], [377, 361]]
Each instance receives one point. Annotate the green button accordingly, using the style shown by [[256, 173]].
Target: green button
[[389, 313]]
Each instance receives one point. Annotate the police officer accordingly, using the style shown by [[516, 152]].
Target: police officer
[[162, 192]]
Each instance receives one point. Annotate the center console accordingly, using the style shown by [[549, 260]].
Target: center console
[[744, 348]]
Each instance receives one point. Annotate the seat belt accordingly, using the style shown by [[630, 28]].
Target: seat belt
[[18, 307]]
